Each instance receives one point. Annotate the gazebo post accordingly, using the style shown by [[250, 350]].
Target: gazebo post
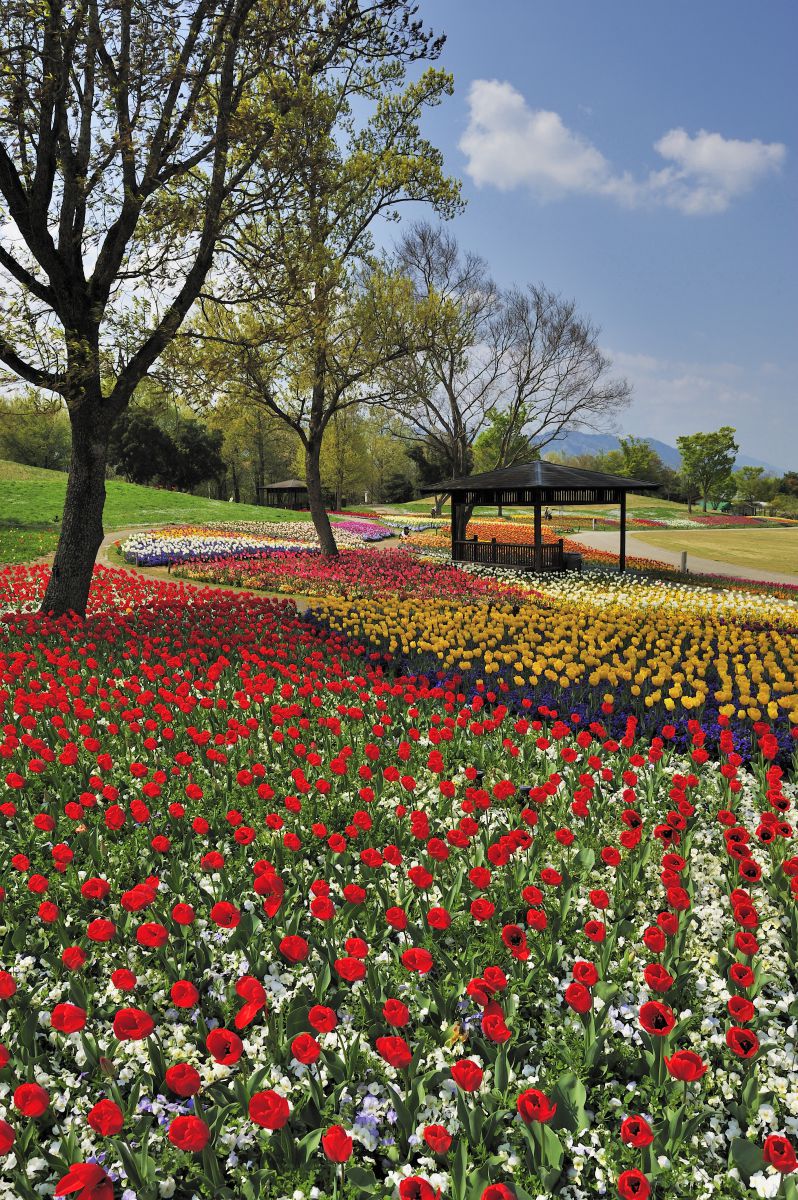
[[455, 527], [622, 555], [538, 537]]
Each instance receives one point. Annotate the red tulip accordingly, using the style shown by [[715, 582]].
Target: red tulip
[[337, 1144], [269, 1109], [534, 1105], [779, 1152], [106, 1118], [190, 1134], [86, 1181], [467, 1074]]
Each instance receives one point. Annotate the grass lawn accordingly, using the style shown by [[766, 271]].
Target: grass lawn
[[32, 500], [768, 549]]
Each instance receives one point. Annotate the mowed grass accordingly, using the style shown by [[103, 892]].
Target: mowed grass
[[32, 501], [767, 549]]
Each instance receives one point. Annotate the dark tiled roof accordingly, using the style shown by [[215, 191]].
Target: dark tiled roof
[[288, 485]]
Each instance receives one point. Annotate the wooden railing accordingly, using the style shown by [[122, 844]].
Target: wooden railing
[[548, 557]]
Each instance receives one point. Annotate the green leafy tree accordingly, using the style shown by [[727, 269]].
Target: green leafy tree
[[707, 459], [35, 430], [197, 456], [139, 448], [751, 484], [789, 484]]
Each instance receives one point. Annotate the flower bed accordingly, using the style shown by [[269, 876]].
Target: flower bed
[[275, 920], [353, 573], [240, 539]]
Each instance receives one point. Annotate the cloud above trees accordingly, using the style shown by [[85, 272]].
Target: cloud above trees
[[509, 145]]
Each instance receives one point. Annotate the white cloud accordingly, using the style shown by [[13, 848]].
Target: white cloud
[[508, 145]]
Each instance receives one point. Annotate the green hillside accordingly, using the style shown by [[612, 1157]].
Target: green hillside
[[32, 500]]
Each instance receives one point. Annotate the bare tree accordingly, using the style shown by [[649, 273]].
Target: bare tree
[[556, 376], [523, 359], [453, 383]]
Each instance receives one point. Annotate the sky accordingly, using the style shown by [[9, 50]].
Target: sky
[[642, 159]]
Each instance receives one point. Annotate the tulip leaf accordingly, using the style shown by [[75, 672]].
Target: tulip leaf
[[363, 1179], [570, 1097], [746, 1157]]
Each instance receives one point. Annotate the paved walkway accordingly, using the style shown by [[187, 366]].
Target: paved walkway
[[608, 540]]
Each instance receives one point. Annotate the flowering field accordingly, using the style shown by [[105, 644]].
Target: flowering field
[[238, 539], [278, 921], [353, 573]]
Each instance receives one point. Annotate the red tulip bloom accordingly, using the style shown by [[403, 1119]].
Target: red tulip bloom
[[269, 1109], [396, 1013], [224, 1046], [190, 1134], [132, 1025], [337, 1144], [585, 973], [183, 1079], [657, 978], [578, 998], [741, 1009], [633, 1185], [742, 1042], [31, 1100], [322, 1019], [68, 1018], [497, 1191], [417, 959], [686, 1066], [656, 1018], [534, 1105], [395, 1051], [413, 1187], [294, 948], [779, 1153], [437, 1138], [636, 1131], [7, 1137], [305, 1048], [106, 1118], [467, 1074], [85, 1181]]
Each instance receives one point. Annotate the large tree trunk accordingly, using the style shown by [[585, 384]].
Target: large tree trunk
[[318, 512], [82, 522]]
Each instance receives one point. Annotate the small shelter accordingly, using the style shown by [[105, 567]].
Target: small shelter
[[288, 493], [537, 485]]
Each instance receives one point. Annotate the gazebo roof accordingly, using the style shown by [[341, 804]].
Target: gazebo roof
[[540, 476], [287, 485]]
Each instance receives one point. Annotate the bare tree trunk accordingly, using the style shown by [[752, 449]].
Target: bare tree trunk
[[82, 522], [318, 512], [234, 480]]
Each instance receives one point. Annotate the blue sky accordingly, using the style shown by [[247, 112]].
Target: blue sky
[[642, 159]]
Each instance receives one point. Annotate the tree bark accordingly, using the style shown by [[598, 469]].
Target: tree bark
[[82, 522], [318, 512]]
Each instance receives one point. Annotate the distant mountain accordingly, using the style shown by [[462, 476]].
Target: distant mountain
[[600, 443]]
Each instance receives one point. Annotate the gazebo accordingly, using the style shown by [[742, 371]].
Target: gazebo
[[288, 493], [535, 485]]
